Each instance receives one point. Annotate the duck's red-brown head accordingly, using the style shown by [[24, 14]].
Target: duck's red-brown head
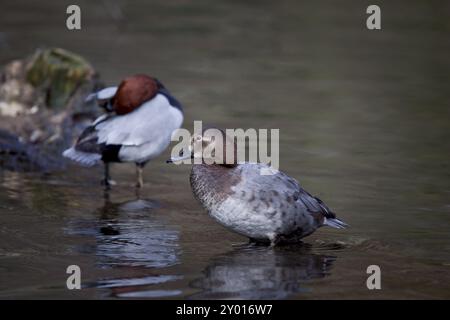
[[134, 91]]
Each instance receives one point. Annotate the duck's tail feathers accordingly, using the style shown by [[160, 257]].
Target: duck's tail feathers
[[335, 223], [86, 159]]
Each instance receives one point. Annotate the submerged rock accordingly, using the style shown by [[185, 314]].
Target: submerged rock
[[42, 107], [18, 156]]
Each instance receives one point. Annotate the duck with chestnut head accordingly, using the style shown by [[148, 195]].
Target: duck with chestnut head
[[141, 116], [265, 208]]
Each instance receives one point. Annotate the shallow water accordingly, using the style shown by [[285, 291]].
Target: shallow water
[[364, 125]]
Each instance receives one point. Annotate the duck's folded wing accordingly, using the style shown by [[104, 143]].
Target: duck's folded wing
[[276, 190], [314, 204], [286, 189], [282, 192], [88, 141], [152, 121], [290, 187], [86, 150]]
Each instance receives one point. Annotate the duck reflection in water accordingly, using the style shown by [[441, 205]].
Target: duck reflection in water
[[259, 272], [134, 242]]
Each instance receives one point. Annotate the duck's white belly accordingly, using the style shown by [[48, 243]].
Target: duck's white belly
[[261, 222], [236, 215], [144, 152]]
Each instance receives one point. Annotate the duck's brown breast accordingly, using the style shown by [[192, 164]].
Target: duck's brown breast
[[212, 184]]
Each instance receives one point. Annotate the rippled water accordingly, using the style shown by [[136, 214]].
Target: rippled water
[[364, 124]]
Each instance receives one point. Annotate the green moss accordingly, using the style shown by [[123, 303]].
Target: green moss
[[58, 73]]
